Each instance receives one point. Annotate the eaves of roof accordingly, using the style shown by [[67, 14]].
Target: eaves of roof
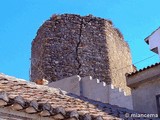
[[144, 69]]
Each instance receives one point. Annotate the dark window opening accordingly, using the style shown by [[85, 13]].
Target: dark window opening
[[158, 104]]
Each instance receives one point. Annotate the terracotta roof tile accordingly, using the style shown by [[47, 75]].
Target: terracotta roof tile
[[53, 103]]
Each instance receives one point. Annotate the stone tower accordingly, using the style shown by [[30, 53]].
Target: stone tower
[[69, 44]]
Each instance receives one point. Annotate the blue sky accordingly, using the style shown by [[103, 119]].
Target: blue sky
[[20, 19]]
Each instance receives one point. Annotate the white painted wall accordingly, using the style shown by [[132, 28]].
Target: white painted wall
[[70, 84], [154, 40], [118, 97], [94, 89], [144, 96]]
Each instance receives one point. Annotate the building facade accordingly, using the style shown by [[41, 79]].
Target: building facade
[[154, 41], [145, 83]]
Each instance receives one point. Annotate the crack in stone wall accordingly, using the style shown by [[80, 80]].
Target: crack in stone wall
[[77, 47], [74, 45]]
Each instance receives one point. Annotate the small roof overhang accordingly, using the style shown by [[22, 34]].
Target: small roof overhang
[[147, 38], [144, 75]]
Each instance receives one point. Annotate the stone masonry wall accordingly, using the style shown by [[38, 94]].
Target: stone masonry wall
[[59, 37], [119, 59], [68, 45], [92, 51]]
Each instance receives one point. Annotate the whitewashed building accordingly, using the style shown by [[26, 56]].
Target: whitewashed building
[[145, 83], [154, 41]]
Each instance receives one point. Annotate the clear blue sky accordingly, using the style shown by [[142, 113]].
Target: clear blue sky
[[20, 19]]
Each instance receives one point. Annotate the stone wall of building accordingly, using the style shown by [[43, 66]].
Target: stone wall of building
[[68, 45], [120, 61], [54, 50], [92, 50]]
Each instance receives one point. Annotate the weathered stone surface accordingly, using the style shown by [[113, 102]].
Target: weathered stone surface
[[68, 45]]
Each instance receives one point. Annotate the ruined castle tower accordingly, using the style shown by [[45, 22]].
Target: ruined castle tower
[[68, 45]]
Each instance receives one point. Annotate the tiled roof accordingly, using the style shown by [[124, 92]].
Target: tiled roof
[[53, 103], [146, 68]]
